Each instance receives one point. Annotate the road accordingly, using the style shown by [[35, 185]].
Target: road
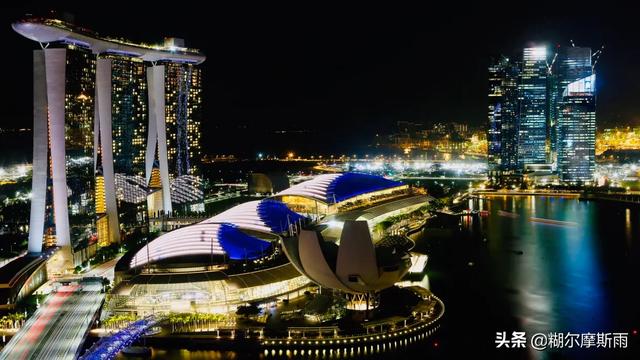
[[58, 327], [105, 269]]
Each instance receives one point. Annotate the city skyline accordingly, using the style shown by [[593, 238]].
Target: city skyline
[[542, 113], [267, 186], [361, 75]]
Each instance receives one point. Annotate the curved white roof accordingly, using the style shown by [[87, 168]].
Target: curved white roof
[[245, 216], [316, 188], [334, 188], [222, 234], [198, 239]]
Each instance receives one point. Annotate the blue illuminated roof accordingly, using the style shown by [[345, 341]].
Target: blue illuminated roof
[[353, 184], [229, 232], [333, 188], [238, 245], [261, 215], [277, 215]]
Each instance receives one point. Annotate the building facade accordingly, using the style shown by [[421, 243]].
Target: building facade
[[575, 115], [502, 134], [542, 114], [101, 120], [532, 88], [577, 132]]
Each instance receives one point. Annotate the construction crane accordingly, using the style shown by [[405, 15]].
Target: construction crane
[[595, 57], [550, 66]]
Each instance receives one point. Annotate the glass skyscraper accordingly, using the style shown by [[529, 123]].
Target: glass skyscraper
[[532, 89], [502, 135], [577, 131], [574, 63], [542, 112]]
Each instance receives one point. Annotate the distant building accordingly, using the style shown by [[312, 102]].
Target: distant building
[[576, 127], [461, 128], [542, 114], [267, 183], [532, 132], [577, 131], [502, 134]]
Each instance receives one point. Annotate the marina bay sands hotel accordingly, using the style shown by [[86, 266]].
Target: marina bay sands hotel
[[116, 133]]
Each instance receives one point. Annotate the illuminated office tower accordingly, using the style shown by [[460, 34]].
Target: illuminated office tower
[[502, 135], [577, 131], [571, 64], [532, 132]]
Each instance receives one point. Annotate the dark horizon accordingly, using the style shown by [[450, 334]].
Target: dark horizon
[[343, 76]]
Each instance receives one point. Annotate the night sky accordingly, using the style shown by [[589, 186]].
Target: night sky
[[343, 74]]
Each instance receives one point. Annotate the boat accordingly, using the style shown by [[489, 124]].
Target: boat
[[552, 222], [508, 214]]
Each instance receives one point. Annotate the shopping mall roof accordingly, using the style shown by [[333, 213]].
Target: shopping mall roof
[[334, 188], [261, 215], [222, 234]]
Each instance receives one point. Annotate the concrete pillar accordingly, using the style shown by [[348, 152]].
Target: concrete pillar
[[40, 154], [55, 66], [103, 117], [158, 132]]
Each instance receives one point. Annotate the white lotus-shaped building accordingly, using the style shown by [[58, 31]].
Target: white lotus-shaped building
[[353, 264]]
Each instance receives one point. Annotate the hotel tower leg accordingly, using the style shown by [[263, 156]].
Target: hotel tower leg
[[103, 118], [40, 154], [157, 132]]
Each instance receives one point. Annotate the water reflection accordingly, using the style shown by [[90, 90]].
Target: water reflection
[[527, 276], [555, 266]]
